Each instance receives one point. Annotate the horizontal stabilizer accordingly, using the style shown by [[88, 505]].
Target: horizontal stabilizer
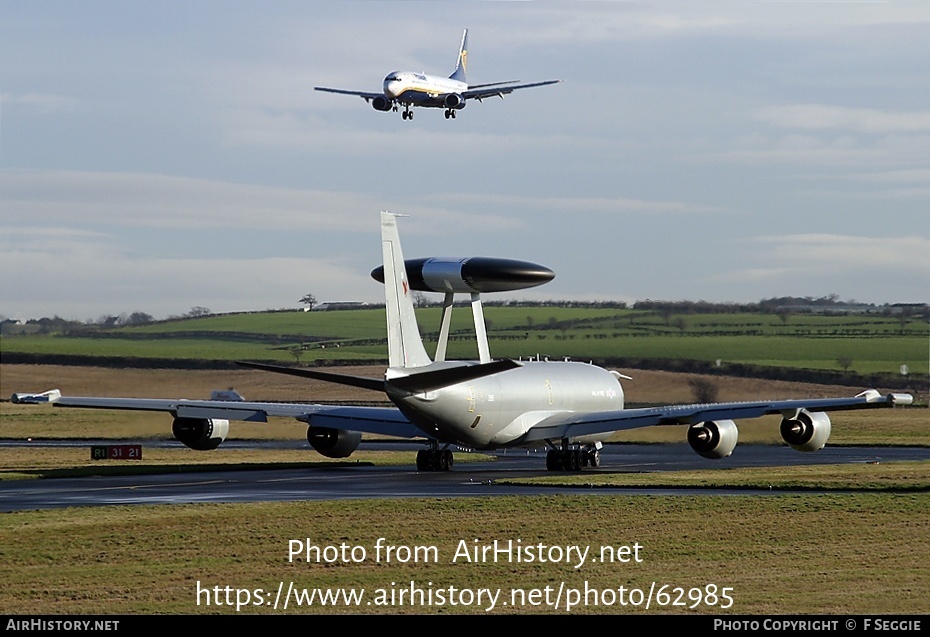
[[364, 382], [473, 86], [427, 381]]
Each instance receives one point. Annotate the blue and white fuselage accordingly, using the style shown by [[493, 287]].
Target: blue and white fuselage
[[419, 89]]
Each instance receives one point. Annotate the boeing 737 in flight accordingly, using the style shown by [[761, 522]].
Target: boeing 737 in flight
[[431, 91], [568, 407]]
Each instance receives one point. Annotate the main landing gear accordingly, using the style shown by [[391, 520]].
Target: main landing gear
[[434, 459], [407, 114], [450, 113], [572, 457]]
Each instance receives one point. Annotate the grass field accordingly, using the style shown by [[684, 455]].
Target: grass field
[[863, 344], [858, 554]]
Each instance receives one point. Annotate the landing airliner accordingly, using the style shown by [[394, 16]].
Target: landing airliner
[[431, 91], [568, 407]]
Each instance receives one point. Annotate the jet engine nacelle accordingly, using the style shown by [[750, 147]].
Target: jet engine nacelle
[[713, 439], [382, 104], [454, 100], [202, 434], [807, 432], [333, 443]]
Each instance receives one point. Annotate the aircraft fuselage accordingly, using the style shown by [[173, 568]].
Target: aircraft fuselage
[[421, 89], [498, 410]]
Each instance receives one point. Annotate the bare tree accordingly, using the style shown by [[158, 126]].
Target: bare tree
[[309, 300], [703, 389], [845, 362], [903, 317], [197, 311]]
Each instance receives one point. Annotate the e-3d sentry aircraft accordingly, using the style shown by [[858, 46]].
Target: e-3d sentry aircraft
[[418, 89], [569, 407]]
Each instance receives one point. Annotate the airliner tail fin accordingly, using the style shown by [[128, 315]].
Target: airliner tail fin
[[462, 61]]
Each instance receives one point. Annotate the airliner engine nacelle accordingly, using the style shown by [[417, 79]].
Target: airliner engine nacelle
[[713, 439], [202, 434], [471, 274], [333, 443], [808, 431], [382, 104], [454, 100]]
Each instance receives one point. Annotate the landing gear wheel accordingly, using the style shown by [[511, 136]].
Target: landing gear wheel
[[574, 460], [435, 460], [554, 460], [594, 458], [423, 460]]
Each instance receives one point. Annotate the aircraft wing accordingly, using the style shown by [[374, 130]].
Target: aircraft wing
[[363, 94], [377, 420], [574, 424], [499, 89]]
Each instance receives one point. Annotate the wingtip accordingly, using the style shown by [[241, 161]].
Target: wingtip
[[50, 396], [874, 396]]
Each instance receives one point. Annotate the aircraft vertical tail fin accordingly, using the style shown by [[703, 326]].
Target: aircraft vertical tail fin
[[462, 61], [405, 347]]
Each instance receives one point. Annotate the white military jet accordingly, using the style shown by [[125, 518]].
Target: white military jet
[[569, 407], [418, 89]]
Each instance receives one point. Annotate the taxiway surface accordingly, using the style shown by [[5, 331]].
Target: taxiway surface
[[339, 482]]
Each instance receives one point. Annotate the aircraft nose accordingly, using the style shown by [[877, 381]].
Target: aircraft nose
[[391, 88]]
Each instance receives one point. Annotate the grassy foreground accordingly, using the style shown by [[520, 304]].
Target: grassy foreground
[[823, 554]]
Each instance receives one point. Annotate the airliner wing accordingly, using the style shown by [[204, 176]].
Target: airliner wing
[[363, 94], [377, 420], [574, 424], [499, 89]]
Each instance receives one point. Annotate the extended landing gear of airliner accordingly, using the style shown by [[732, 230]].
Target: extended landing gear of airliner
[[572, 457], [407, 114], [450, 113], [434, 459]]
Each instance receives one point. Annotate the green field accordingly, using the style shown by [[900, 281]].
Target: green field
[[830, 554], [861, 344]]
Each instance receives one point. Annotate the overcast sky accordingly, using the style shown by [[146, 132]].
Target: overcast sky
[[160, 156]]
